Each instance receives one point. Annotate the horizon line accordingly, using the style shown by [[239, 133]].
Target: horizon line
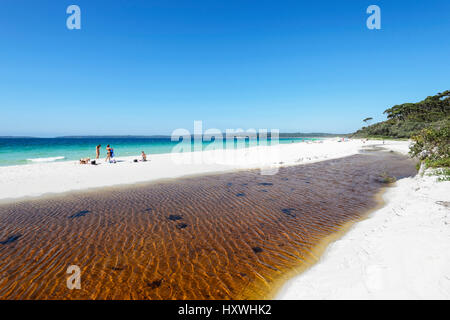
[[285, 134]]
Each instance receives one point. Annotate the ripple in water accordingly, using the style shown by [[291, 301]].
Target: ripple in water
[[212, 237]]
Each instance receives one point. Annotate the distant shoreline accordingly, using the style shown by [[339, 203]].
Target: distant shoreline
[[281, 135]]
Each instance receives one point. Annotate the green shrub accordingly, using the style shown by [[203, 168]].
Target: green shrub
[[432, 144], [442, 173], [440, 163]]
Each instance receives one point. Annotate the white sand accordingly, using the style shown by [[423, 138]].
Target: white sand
[[401, 252], [42, 178]]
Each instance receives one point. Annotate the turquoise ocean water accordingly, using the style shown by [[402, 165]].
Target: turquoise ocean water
[[18, 151]]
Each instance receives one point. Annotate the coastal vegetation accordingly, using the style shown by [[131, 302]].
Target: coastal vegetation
[[426, 123], [408, 119], [432, 147]]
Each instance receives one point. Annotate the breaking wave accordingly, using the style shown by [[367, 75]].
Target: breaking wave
[[51, 159]]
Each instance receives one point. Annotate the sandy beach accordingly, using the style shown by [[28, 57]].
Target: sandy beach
[[402, 251], [233, 235], [41, 178]]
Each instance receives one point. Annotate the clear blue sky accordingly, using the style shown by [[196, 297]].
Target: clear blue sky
[[149, 67]]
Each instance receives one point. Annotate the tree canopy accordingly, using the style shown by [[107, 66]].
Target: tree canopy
[[407, 119]]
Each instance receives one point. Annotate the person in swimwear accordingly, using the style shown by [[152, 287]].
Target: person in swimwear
[[108, 153], [98, 151], [85, 161]]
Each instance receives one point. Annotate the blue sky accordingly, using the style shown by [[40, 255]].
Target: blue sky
[[149, 67]]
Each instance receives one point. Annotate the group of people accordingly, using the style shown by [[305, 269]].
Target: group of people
[[109, 156], [109, 153]]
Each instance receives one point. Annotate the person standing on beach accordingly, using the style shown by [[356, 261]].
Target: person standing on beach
[[108, 153], [98, 151]]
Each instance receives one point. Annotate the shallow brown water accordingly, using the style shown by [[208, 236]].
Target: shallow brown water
[[223, 236]]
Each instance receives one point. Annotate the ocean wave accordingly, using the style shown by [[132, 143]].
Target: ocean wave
[[51, 159]]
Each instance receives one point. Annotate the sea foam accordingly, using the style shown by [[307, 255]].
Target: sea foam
[[51, 159]]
